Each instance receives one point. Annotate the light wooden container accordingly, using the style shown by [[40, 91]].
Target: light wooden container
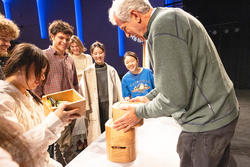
[[120, 145], [73, 97]]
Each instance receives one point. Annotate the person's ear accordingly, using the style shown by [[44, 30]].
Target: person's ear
[[52, 37], [136, 15]]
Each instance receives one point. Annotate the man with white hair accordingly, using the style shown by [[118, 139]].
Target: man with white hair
[[191, 84], [8, 31]]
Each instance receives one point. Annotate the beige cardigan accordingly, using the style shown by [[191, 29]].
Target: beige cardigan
[[23, 111], [81, 62], [88, 88]]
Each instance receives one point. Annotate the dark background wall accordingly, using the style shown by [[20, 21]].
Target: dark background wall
[[230, 20], [228, 23]]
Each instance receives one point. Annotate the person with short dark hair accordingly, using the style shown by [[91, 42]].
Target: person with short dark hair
[[191, 84], [137, 81], [62, 76]]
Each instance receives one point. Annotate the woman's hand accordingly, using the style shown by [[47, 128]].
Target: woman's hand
[[67, 115], [142, 99]]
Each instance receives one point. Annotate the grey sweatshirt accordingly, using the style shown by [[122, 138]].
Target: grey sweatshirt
[[191, 84]]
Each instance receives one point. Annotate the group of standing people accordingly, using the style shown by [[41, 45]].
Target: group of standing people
[[29, 73], [190, 84]]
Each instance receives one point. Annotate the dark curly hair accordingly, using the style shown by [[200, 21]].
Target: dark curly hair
[[60, 26]]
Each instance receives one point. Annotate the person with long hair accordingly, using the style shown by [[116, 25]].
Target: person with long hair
[[76, 51], [26, 68]]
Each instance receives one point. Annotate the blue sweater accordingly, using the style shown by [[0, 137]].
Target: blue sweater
[[134, 85]]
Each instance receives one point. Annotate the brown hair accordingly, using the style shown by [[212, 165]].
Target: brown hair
[[14, 143], [75, 39], [26, 54], [97, 44], [8, 28], [132, 54], [60, 26]]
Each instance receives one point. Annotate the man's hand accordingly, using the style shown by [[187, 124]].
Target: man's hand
[[128, 120]]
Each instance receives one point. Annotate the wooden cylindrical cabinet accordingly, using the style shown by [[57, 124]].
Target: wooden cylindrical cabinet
[[121, 147]]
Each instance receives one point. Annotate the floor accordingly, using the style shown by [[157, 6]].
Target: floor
[[240, 148]]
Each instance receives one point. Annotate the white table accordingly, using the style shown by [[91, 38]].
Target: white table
[[156, 144]]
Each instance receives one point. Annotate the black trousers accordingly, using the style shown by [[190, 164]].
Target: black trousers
[[206, 149], [64, 150]]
